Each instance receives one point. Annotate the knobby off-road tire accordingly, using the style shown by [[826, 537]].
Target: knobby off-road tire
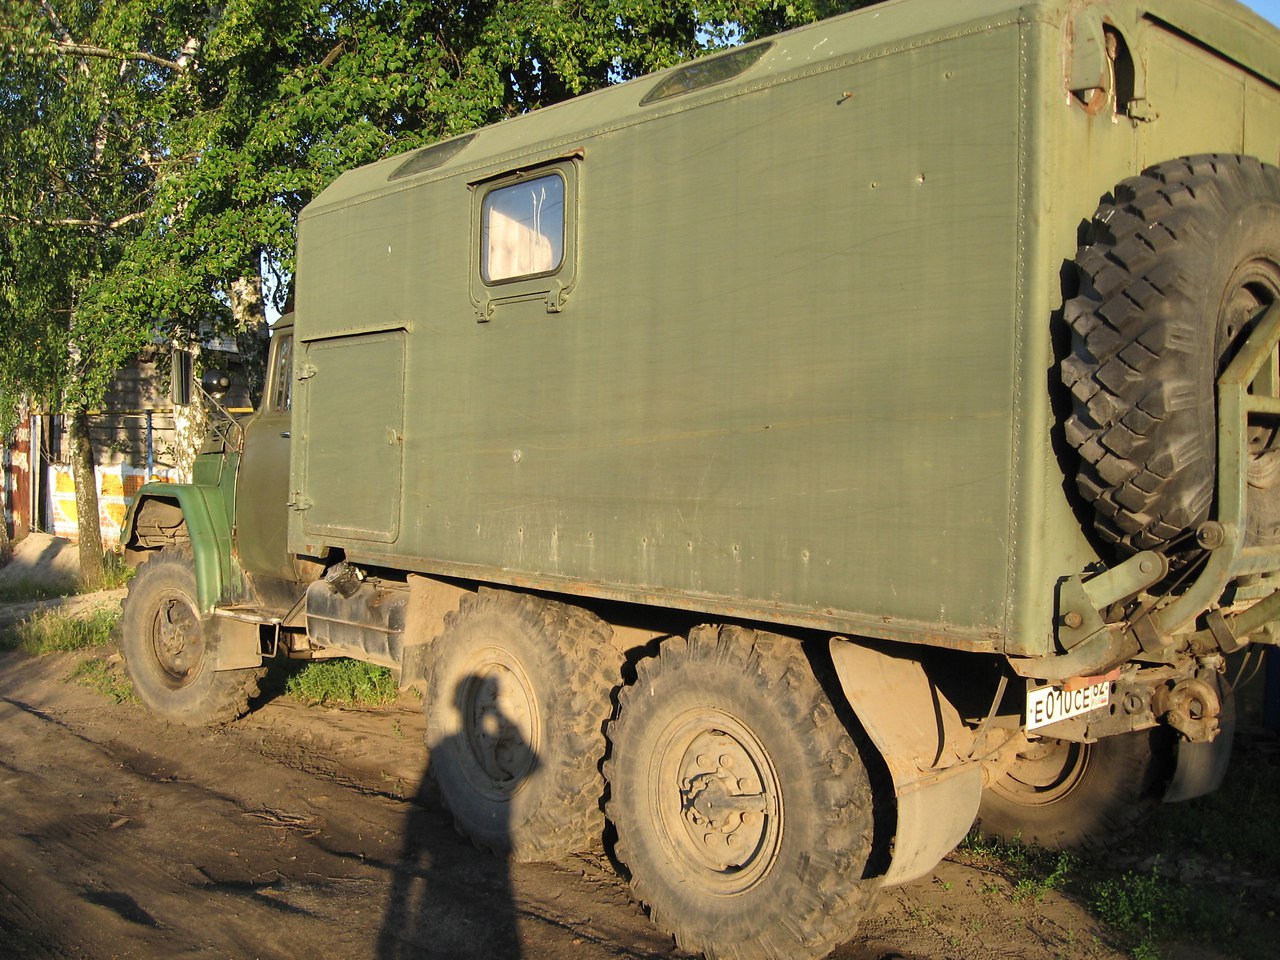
[[1173, 273], [518, 692], [742, 806], [168, 647], [1078, 796]]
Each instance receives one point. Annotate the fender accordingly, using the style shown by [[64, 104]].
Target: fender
[[923, 742], [205, 515]]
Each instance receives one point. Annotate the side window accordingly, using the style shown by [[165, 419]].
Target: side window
[[524, 235], [282, 375], [522, 229]]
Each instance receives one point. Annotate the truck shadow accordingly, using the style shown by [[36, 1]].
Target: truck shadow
[[447, 899]]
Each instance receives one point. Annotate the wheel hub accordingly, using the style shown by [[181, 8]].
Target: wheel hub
[[1045, 772], [500, 716], [177, 639], [726, 819]]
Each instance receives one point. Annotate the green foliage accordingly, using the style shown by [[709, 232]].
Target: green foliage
[[1032, 871], [56, 632], [342, 683], [115, 573], [146, 179], [1233, 824], [1148, 908]]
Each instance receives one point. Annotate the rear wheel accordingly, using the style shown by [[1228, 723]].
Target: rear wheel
[[1078, 796], [1175, 271], [169, 647], [742, 806]]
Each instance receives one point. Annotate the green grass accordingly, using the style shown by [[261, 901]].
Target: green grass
[[1235, 824], [115, 572], [342, 683], [107, 679], [55, 632], [1148, 908], [24, 591], [1212, 856], [1031, 871]]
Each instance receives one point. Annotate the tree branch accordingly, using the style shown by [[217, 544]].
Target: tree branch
[[73, 222], [84, 50], [332, 56]]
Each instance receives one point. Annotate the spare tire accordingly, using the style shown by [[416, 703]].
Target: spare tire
[[1174, 271]]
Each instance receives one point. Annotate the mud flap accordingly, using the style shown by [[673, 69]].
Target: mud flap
[[918, 733], [237, 645], [1201, 767]]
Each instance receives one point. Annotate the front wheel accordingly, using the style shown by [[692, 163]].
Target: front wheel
[[168, 647], [741, 803]]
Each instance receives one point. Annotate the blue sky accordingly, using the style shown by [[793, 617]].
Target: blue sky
[[1268, 8]]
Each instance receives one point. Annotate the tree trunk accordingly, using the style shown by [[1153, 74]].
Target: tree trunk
[[6, 545], [92, 570], [252, 333]]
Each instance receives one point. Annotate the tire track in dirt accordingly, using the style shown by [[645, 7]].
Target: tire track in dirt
[[127, 837]]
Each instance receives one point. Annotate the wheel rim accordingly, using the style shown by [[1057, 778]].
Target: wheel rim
[[501, 720], [1254, 287], [1045, 772], [177, 640], [717, 801]]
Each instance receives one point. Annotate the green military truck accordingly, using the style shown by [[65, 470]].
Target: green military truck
[[786, 459]]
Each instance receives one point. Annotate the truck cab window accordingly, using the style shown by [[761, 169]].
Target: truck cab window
[[522, 229], [282, 375]]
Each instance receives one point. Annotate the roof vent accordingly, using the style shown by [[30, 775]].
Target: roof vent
[[431, 157], [707, 72]]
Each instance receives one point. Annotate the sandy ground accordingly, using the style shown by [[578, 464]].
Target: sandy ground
[[51, 564], [302, 831]]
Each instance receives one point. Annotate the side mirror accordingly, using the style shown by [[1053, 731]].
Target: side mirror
[[180, 377], [216, 383]]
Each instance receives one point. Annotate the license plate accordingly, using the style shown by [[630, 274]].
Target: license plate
[[1046, 705]]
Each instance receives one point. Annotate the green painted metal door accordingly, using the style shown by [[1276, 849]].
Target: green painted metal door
[[354, 436]]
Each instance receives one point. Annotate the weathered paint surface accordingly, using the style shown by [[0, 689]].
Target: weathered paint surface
[[797, 364]]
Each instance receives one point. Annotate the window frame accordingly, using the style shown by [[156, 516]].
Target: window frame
[[550, 286], [278, 378]]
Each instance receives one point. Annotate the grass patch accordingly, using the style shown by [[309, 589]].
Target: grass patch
[[101, 675], [55, 632], [1148, 908], [25, 591], [1032, 871], [1235, 823], [342, 682], [115, 572], [1196, 874]]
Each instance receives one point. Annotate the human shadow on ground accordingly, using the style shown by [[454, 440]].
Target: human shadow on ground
[[448, 899]]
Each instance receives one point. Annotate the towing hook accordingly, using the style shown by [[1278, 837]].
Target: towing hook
[[1191, 707]]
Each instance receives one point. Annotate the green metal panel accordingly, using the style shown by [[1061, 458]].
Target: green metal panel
[[205, 508], [804, 373], [350, 409], [262, 483]]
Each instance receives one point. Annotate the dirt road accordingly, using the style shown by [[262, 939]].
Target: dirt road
[[308, 832]]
